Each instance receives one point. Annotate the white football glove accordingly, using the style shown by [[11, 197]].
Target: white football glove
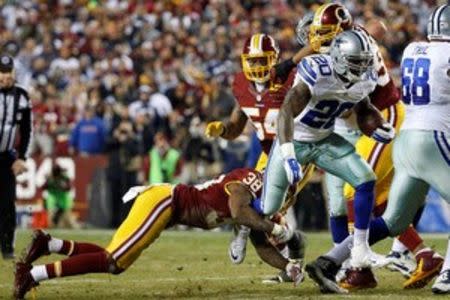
[[384, 134], [294, 270], [293, 169], [282, 233]]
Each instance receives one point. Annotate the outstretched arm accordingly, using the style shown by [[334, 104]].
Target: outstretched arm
[[283, 69], [296, 100], [230, 129], [241, 211], [266, 251], [235, 125]]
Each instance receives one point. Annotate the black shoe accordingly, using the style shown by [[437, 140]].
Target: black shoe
[[23, 281], [323, 271], [8, 255], [38, 246]]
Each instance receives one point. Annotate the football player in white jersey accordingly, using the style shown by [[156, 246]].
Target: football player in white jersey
[[325, 87], [422, 149]]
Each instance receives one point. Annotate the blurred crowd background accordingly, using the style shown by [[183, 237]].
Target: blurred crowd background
[[137, 81]]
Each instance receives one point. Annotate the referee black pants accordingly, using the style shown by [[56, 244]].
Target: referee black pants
[[7, 205]]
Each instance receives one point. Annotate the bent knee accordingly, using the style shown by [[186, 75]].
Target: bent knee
[[367, 186], [113, 268], [395, 226]]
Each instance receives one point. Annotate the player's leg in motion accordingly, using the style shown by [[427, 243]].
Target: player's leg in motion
[[150, 214], [338, 157], [335, 190], [275, 182], [337, 208], [416, 169], [423, 161]]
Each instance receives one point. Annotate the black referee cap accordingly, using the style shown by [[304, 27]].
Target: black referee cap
[[6, 64]]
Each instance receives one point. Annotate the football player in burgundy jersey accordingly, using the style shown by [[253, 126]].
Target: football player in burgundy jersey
[[315, 32], [259, 95], [225, 199]]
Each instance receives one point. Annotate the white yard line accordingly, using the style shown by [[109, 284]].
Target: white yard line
[[167, 279]]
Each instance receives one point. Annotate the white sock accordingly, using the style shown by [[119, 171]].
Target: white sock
[[446, 265], [39, 273], [55, 245], [341, 252], [361, 237], [398, 246]]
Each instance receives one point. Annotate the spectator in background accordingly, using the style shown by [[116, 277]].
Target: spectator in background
[[165, 161], [124, 164], [88, 136], [58, 199], [161, 104], [142, 104]]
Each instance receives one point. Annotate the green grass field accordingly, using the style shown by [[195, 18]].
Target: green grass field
[[195, 265]]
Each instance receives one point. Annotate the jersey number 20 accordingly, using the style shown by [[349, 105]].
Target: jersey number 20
[[324, 113], [415, 77]]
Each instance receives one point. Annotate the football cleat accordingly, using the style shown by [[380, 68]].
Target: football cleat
[[429, 264], [323, 271], [8, 255], [442, 283], [38, 246], [401, 262], [362, 278], [23, 281], [360, 256], [238, 245], [343, 270], [279, 278]]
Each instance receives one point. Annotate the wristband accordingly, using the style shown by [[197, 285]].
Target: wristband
[[287, 150]]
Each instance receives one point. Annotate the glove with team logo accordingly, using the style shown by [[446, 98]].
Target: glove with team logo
[[293, 169], [214, 129], [384, 134], [294, 271], [281, 233]]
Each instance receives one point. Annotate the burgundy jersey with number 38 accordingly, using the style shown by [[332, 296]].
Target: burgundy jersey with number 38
[[206, 205], [261, 108]]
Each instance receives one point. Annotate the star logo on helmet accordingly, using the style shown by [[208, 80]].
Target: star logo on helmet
[[6, 60], [339, 42]]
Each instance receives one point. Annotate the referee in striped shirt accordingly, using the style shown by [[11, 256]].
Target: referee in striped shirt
[[15, 117]]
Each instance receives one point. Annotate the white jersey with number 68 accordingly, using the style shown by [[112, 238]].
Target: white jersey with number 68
[[426, 86]]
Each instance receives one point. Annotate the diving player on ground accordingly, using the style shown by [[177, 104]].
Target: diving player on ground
[[226, 199]]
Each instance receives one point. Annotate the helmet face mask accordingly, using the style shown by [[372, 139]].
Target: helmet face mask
[[439, 24], [352, 56], [258, 58], [329, 20], [257, 67]]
